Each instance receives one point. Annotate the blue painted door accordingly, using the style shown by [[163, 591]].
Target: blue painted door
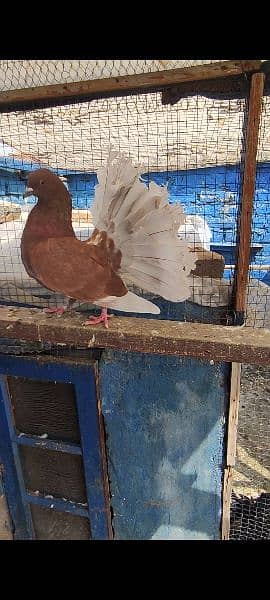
[[76, 505], [165, 421]]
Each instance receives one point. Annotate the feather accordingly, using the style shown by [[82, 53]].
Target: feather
[[129, 303], [144, 227]]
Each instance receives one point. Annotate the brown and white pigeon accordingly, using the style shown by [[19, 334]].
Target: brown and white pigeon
[[134, 242]]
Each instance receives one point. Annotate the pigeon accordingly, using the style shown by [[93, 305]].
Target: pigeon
[[134, 242]]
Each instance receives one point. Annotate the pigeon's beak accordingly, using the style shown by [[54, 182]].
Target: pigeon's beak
[[28, 192]]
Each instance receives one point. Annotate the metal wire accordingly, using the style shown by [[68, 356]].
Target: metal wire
[[17, 74], [250, 503], [193, 147]]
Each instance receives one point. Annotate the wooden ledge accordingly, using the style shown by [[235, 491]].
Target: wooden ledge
[[95, 88], [209, 342]]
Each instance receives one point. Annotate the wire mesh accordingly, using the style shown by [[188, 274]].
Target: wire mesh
[[17, 74], [258, 310], [193, 147], [250, 502]]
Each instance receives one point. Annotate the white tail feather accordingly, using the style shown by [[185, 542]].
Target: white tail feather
[[129, 303], [143, 226]]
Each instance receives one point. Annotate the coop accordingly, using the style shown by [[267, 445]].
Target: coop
[[145, 430]]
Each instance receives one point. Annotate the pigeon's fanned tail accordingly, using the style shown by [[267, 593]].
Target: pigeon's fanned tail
[[143, 226]]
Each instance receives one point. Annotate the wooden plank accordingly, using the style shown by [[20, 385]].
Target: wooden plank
[[113, 85], [36, 442], [233, 413], [231, 447], [227, 490], [253, 123], [5, 524], [61, 504], [104, 457], [210, 342]]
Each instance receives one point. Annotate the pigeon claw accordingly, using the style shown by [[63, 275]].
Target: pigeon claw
[[103, 318]]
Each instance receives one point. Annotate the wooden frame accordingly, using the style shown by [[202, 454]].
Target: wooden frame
[[96, 88], [231, 447], [83, 375], [210, 342], [246, 207]]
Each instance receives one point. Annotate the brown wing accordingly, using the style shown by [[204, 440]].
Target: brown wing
[[80, 270]]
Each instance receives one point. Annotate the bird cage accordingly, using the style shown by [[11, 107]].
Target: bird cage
[[89, 415]]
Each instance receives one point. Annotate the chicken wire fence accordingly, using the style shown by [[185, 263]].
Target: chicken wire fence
[[250, 501], [19, 74], [195, 147]]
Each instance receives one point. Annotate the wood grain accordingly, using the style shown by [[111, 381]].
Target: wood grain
[[112, 85], [227, 490], [5, 527], [250, 166], [233, 413], [231, 447], [210, 342]]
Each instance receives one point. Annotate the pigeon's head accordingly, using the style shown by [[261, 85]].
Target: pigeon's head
[[44, 184]]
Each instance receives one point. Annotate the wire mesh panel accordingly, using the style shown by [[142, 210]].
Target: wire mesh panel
[[16, 74], [250, 502], [193, 147]]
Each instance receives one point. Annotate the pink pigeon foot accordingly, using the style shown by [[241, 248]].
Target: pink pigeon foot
[[103, 318], [58, 311]]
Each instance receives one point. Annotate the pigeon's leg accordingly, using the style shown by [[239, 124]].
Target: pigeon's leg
[[61, 310], [103, 318]]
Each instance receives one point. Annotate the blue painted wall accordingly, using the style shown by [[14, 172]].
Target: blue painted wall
[[164, 419], [212, 193]]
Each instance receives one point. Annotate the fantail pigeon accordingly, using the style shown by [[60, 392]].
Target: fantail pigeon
[[134, 242]]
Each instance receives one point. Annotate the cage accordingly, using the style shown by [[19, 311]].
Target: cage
[[199, 128]]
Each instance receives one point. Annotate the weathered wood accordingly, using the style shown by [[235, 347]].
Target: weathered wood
[[104, 458], [254, 113], [5, 526], [211, 342], [113, 85], [209, 263], [227, 490], [233, 413], [231, 447]]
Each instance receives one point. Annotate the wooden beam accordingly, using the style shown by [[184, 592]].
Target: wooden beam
[[231, 447], [95, 88], [246, 205], [5, 524], [227, 492], [233, 413], [209, 342]]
